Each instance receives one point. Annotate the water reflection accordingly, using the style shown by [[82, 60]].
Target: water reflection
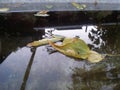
[[91, 34], [26, 70], [11, 42], [97, 78], [13, 68]]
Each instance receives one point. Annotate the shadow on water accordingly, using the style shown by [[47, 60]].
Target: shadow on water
[[23, 69]]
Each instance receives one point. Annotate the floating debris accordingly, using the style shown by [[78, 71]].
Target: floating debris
[[41, 42], [72, 47], [43, 13], [77, 48], [79, 6], [4, 9]]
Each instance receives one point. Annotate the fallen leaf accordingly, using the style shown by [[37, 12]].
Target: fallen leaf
[[43, 13], [95, 57], [79, 6], [41, 42], [72, 47], [77, 48], [4, 9]]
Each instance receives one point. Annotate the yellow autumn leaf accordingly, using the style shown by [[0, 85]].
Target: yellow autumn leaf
[[79, 6], [41, 42], [95, 57], [77, 48], [72, 47], [4, 9], [43, 13]]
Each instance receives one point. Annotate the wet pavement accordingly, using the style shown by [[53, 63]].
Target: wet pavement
[[58, 5]]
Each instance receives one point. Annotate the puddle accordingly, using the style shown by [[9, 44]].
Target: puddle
[[23, 68]]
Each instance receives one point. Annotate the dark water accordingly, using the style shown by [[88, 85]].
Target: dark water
[[23, 68]]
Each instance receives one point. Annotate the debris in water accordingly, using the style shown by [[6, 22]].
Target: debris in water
[[77, 48], [79, 6], [72, 47], [4, 9], [43, 13], [41, 42]]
